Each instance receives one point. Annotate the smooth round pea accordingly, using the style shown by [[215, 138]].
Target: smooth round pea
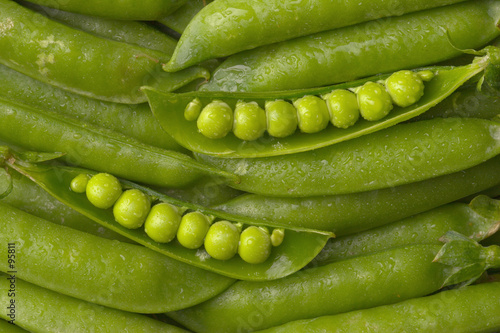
[[103, 190], [343, 107], [79, 183], [249, 121], [193, 229], [221, 241], [215, 120], [405, 88], [312, 113], [162, 222], [132, 208], [255, 245], [193, 110], [281, 118], [277, 237], [374, 101]]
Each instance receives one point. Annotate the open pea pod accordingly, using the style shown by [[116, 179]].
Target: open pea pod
[[169, 109], [299, 246]]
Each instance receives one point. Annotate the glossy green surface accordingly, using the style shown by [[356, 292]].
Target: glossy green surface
[[192, 230], [162, 222], [169, 108], [102, 190], [221, 241], [398, 155], [132, 208], [106, 272], [249, 121], [179, 19], [312, 114], [343, 108], [374, 102], [405, 88], [255, 245]]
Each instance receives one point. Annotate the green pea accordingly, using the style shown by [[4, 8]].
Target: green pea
[[405, 88], [255, 245], [162, 222], [343, 107], [222, 240], [281, 118], [277, 236], [79, 183], [193, 110], [374, 101], [132, 208], [103, 190], [193, 229], [312, 114], [215, 120], [426, 75], [249, 121]]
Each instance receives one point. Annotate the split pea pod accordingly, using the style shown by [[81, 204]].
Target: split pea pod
[[42, 310], [97, 148], [398, 155], [106, 272], [346, 54], [77, 61], [350, 213], [225, 27], [470, 309], [376, 279]]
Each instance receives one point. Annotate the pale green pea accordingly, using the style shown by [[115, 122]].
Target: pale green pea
[[343, 107], [193, 110], [426, 75], [132, 208], [215, 120], [374, 101], [103, 190], [281, 118], [221, 241], [193, 229], [255, 245], [312, 114], [162, 222], [79, 183], [405, 88], [277, 237], [249, 121]]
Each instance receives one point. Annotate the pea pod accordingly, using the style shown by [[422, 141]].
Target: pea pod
[[376, 279], [82, 63], [5, 326], [350, 213], [97, 148], [470, 309], [477, 220], [59, 313], [179, 19], [298, 248], [227, 27], [169, 108], [357, 51], [394, 156]]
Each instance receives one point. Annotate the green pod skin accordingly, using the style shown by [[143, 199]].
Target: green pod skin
[[465, 310], [148, 10], [118, 275], [32, 199], [6, 326], [398, 155], [226, 27], [342, 55], [478, 220], [117, 117], [98, 149], [59, 313], [358, 283], [79, 62], [179, 19], [351, 213]]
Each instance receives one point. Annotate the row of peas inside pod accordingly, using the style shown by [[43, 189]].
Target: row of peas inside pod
[[163, 222], [311, 114]]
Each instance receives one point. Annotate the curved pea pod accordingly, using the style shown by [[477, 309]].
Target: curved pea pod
[[394, 156], [148, 10], [227, 27], [300, 245], [169, 108], [59, 312], [477, 220], [100, 149], [106, 272], [179, 19], [357, 51], [470, 309], [376, 279], [7, 326], [82, 63]]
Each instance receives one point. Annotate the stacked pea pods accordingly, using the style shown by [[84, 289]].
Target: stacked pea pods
[[244, 166]]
